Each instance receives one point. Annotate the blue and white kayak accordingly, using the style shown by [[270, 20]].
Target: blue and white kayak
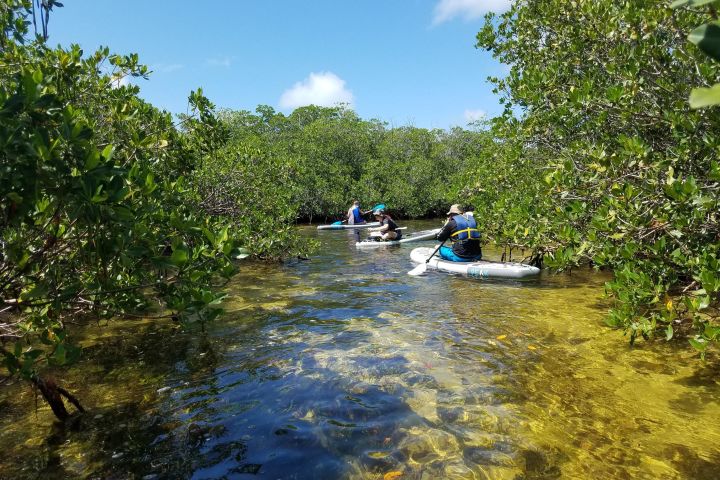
[[415, 237], [345, 226], [480, 269]]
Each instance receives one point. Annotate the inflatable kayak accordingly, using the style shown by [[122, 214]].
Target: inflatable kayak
[[480, 269], [416, 237], [346, 227]]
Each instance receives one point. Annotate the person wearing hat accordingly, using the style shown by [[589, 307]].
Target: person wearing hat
[[463, 233], [388, 228]]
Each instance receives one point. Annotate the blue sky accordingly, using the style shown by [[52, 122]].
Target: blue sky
[[405, 62]]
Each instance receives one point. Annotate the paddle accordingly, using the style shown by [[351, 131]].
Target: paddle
[[377, 234], [399, 228], [422, 268]]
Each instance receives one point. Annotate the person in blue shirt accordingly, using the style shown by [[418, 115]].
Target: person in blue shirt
[[463, 233], [354, 215]]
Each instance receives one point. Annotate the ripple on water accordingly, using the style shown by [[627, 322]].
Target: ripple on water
[[341, 367]]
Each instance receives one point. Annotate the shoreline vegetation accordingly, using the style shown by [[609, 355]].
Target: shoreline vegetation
[[111, 207]]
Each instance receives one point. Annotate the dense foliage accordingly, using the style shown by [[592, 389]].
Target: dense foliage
[[101, 213], [600, 159]]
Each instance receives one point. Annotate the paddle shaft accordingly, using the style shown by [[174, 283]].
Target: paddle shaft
[[436, 250], [375, 233]]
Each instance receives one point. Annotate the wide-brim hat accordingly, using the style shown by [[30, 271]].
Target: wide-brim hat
[[455, 209]]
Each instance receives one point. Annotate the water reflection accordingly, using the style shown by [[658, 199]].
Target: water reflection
[[345, 367]]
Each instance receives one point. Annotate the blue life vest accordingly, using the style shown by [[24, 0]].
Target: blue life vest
[[357, 217], [465, 229]]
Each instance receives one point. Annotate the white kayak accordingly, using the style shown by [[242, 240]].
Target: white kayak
[[480, 269], [416, 237], [345, 226]]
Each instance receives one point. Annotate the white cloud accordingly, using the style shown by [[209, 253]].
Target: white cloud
[[323, 89], [447, 10], [219, 62], [474, 115]]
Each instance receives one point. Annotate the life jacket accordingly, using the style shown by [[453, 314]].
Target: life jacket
[[357, 217], [466, 229]]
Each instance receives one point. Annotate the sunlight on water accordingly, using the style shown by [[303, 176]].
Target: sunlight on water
[[346, 367]]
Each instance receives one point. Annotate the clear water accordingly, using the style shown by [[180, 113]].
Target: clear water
[[345, 367]]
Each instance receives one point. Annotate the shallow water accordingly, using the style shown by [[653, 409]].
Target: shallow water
[[346, 367]]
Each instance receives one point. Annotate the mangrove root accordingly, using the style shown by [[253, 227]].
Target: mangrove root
[[53, 395]]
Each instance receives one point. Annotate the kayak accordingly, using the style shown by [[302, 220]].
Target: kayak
[[416, 237], [347, 227], [479, 269]]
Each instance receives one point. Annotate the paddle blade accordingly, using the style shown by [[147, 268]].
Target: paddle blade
[[419, 270], [339, 222]]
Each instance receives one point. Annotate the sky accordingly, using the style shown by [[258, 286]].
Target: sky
[[409, 62]]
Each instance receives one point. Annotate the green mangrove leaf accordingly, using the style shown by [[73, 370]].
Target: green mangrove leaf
[[705, 97], [699, 344], [180, 256], [707, 38]]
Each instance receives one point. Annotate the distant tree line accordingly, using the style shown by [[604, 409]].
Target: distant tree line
[[334, 157]]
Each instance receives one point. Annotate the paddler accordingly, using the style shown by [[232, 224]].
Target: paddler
[[462, 231], [354, 215], [388, 228]]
